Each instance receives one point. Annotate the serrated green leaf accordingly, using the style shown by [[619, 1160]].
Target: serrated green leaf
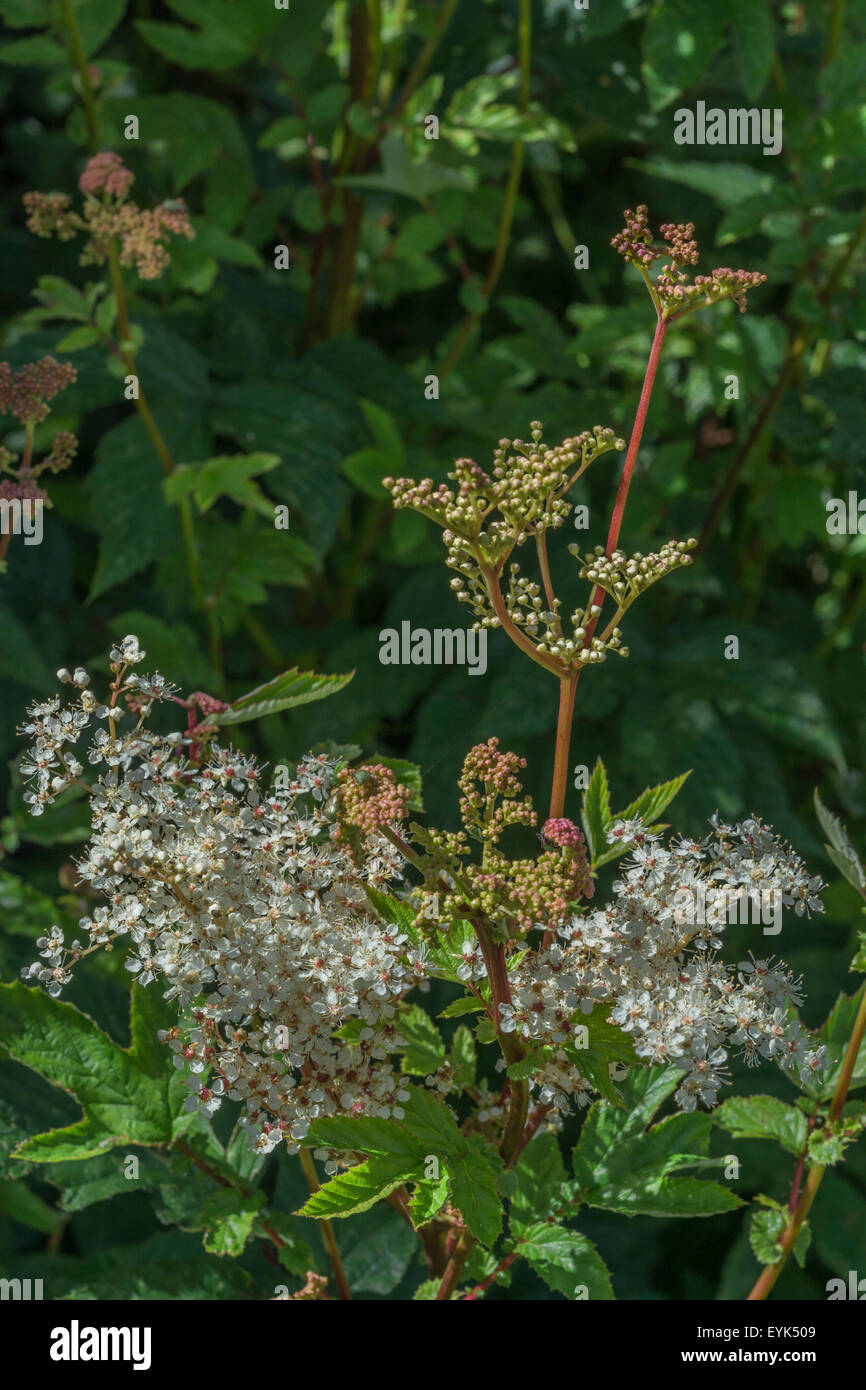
[[287, 691], [360, 1188], [566, 1261], [763, 1117], [474, 1189], [834, 1034], [228, 1216], [431, 1124], [463, 1057], [362, 1134], [527, 1066], [679, 42], [676, 1197], [128, 1095], [428, 1199], [765, 1228], [596, 813], [79, 338], [623, 1167], [459, 1007], [384, 430], [426, 1292], [825, 1149], [850, 868], [840, 849], [540, 1174], [424, 1049], [227, 36], [226, 475], [39, 51], [377, 1248], [127, 506], [652, 801], [752, 30], [280, 131]]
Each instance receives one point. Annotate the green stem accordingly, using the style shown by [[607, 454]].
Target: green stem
[[79, 59], [327, 1230], [154, 433], [419, 68], [473, 318], [836, 22]]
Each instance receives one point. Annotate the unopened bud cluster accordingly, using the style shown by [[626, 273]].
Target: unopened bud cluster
[[626, 577], [514, 894], [674, 290], [486, 514], [527, 609]]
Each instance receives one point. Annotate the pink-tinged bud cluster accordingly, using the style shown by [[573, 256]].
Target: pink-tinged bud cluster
[[108, 216], [675, 293], [208, 704], [23, 491], [51, 215], [370, 797], [64, 447], [680, 237], [635, 242], [26, 393], [544, 890], [563, 832], [498, 771], [515, 894], [487, 776], [106, 171]]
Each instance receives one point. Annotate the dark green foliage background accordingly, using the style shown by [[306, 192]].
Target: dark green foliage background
[[240, 357]]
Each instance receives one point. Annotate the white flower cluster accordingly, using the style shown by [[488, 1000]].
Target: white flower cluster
[[251, 909], [651, 959], [248, 908]]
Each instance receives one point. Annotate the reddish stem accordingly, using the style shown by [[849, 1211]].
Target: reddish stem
[[637, 432], [567, 691], [797, 1180], [568, 686], [631, 456]]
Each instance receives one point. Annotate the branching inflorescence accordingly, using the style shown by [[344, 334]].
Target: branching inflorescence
[[486, 515], [290, 923]]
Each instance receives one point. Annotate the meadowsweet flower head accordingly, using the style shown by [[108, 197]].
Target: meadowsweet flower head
[[491, 790], [241, 904], [108, 216], [635, 242]]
